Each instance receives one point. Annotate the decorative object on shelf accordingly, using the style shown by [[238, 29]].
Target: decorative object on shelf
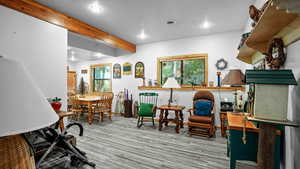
[[171, 83], [276, 55], [84, 71], [219, 78], [221, 64], [243, 39], [155, 83], [261, 65], [271, 88], [127, 68], [139, 70], [56, 104], [117, 71], [211, 83], [235, 78], [255, 13], [82, 87], [24, 108], [226, 106], [149, 82]]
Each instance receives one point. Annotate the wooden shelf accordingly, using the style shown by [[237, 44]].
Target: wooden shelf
[[273, 23], [246, 53], [284, 123], [197, 88]]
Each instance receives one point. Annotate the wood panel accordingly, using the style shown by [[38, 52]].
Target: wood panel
[[52, 16]]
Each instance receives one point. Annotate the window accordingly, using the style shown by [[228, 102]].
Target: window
[[101, 77], [188, 70]]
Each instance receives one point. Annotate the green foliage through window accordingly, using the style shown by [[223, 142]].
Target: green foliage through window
[[186, 72]]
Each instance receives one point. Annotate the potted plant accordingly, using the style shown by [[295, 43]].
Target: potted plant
[[56, 104]]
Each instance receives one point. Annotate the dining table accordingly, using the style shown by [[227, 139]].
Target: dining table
[[89, 101]]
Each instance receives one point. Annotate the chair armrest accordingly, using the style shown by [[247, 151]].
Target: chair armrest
[[154, 109], [191, 111]]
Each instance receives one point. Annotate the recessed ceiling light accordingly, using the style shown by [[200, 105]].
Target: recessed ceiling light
[[206, 25], [95, 7], [72, 58], [170, 22], [142, 35], [99, 55]]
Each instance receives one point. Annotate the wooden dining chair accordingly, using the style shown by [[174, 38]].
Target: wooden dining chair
[[76, 107], [104, 105]]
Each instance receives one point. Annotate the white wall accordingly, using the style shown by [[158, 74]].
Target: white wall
[[292, 136], [222, 45], [41, 46]]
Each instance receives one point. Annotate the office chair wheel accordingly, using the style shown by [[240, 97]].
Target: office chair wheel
[[75, 162]]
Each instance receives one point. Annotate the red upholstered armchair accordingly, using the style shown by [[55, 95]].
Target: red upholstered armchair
[[202, 119]]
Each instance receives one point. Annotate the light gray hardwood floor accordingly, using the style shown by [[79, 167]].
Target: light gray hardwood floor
[[119, 144]]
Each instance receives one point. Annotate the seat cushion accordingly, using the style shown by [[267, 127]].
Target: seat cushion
[[146, 109], [200, 119], [202, 108]]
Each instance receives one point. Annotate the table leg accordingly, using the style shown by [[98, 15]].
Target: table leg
[[161, 118], [166, 118], [177, 121], [90, 114], [181, 119]]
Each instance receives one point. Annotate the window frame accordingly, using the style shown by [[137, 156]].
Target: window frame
[[182, 58], [92, 75]]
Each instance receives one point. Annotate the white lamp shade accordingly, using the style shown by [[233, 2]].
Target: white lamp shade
[[23, 107], [171, 83]]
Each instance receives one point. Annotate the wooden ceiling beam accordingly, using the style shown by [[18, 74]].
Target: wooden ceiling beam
[[52, 16]]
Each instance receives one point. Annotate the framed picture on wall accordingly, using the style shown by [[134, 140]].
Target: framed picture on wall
[[117, 71], [139, 70], [127, 68]]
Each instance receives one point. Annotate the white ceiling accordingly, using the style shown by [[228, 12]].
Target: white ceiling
[[127, 18]]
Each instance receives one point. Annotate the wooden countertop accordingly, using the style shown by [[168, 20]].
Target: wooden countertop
[[236, 122]]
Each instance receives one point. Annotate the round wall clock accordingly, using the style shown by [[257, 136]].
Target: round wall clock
[[221, 64]]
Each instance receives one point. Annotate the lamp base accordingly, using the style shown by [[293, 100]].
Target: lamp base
[[15, 153]]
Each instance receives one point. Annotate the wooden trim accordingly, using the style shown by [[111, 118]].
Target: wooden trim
[[42, 12], [182, 57], [196, 88], [91, 75]]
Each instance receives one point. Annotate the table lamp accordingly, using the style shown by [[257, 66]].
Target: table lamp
[[171, 83], [234, 78], [23, 108]]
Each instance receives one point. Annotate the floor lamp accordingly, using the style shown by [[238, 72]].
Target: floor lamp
[[171, 83], [23, 108], [234, 78]]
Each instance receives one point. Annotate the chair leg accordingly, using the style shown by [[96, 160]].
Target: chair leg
[[102, 116], [153, 122], [138, 123], [110, 115]]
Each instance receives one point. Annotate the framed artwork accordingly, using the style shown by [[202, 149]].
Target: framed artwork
[[139, 70], [127, 68], [117, 71]]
